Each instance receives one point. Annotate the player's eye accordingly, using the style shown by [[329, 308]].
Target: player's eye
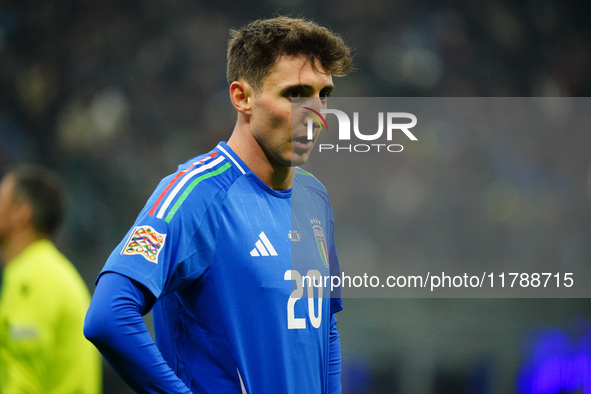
[[324, 95], [294, 93]]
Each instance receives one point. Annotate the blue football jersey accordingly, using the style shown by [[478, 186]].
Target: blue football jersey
[[240, 273]]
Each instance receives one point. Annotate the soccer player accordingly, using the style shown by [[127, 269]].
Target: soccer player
[[230, 250], [43, 299]]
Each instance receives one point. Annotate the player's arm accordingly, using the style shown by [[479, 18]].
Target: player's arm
[[334, 344], [334, 358], [115, 325]]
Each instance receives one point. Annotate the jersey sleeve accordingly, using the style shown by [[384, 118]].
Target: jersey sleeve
[[115, 325], [336, 302], [170, 242], [334, 358]]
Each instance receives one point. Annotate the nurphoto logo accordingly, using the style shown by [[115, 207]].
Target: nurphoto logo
[[392, 124]]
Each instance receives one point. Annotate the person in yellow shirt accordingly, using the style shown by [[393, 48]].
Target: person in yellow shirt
[[43, 298]]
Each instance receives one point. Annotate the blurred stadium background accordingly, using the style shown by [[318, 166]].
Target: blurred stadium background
[[114, 94]]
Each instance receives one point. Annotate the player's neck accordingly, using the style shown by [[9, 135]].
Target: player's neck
[[274, 175], [14, 245], [281, 178]]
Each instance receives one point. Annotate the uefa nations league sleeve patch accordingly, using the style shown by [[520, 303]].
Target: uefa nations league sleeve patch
[[146, 242]]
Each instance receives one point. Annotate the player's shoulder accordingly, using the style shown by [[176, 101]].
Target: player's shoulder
[[49, 277], [194, 185], [307, 180]]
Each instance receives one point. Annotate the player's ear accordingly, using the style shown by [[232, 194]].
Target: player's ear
[[241, 95], [23, 214]]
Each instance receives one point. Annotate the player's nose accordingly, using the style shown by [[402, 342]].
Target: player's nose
[[316, 103]]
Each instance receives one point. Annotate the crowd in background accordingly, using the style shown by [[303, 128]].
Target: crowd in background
[[113, 95]]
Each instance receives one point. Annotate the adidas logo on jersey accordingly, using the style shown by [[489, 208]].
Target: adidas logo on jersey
[[263, 247]]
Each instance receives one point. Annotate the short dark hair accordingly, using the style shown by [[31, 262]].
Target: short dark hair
[[44, 190], [254, 49]]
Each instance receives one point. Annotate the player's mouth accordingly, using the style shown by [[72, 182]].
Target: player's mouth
[[301, 143]]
